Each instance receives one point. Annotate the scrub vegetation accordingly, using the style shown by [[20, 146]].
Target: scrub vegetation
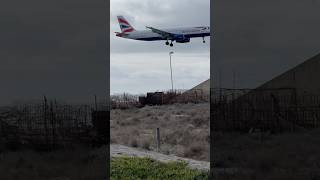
[[290, 155], [129, 168], [184, 129], [80, 163]]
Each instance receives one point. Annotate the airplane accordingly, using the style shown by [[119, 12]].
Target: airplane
[[180, 35]]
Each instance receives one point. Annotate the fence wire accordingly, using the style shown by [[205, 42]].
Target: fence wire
[[49, 124], [265, 109]]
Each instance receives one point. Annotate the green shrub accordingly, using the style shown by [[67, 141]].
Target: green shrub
[[133, 168]]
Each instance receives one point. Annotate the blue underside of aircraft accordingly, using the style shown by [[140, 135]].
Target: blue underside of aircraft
[[186, 36]]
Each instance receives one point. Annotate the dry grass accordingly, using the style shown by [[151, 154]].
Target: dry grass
[[282, 156], [79, 164], [184, 128]]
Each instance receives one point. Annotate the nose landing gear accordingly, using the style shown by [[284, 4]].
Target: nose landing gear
[[203, 40]]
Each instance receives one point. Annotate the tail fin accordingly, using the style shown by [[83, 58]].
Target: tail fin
[[124, 25]]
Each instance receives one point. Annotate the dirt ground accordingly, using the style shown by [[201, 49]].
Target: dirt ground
[[184, 129], [117, 150]]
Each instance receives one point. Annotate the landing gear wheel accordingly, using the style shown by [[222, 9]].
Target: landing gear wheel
[[203, 40], [171, 44], [167, 43]]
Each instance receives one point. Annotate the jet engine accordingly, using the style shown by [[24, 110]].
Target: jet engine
[[182, 39]]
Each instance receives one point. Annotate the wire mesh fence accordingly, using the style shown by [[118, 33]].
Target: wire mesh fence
[[264, 109], [48, 124]]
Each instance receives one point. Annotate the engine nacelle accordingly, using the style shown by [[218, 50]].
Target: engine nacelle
[[186, 40], [182, 39]]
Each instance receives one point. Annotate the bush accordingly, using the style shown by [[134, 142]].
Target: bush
[[146, 168]]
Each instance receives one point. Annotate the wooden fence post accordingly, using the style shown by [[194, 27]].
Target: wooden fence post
[[158, 139]]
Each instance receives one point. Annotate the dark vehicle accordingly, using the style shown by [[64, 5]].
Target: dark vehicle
[[155, 98]]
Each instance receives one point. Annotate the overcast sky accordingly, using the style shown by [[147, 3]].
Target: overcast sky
[[58, 48], [259, 40], [53, 48], [139, 67]]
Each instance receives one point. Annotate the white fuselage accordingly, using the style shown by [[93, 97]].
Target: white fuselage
[[148, 35]]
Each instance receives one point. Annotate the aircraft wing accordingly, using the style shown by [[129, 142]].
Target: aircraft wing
[[162, 33]]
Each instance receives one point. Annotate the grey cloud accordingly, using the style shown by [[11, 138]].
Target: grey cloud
[[146, 66], [261, 39], [161, 14], [54, 48]]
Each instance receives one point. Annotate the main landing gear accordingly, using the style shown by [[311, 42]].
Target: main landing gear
[[203, 40], [167, 43]]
